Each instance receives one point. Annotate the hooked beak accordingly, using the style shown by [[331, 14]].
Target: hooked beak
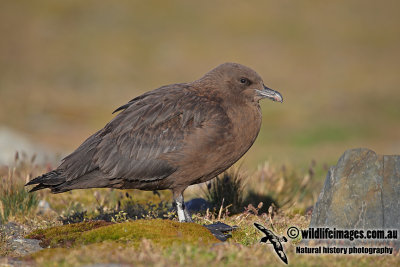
[[269, 93]]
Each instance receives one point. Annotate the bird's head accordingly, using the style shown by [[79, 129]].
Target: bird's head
[[241, 82]]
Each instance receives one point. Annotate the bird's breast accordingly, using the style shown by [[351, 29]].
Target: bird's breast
[[205, 156], [246, 124]]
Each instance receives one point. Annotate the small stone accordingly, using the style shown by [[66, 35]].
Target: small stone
[[43, 207]]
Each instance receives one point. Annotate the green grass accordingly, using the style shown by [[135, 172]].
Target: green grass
[[328, 134], [16, 202], [14, 198]]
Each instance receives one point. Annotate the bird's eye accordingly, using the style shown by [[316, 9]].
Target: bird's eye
[[244, 80]]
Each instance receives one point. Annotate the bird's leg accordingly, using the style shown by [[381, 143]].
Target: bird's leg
[[188, 216], [179, 208], [183, 213]]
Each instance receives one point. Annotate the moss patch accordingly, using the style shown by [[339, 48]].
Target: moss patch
[[161, 232], [66, 235]]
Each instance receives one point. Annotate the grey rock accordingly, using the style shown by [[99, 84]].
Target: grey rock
[[361, 192], [391, 192], [19, 246], [22, 246]]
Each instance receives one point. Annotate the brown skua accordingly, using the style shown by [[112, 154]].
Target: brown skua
[[170, 138]]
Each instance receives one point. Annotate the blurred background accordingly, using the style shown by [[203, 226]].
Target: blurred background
[[66, 65]]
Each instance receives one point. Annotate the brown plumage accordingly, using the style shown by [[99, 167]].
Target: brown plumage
[[170, 138]]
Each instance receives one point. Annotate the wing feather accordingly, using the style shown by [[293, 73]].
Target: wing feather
[[132, 145]]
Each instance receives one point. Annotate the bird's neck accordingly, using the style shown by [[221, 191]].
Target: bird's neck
[[248, 122]]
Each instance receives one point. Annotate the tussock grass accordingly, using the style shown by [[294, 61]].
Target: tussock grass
[[226, 191], [14, 198]]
